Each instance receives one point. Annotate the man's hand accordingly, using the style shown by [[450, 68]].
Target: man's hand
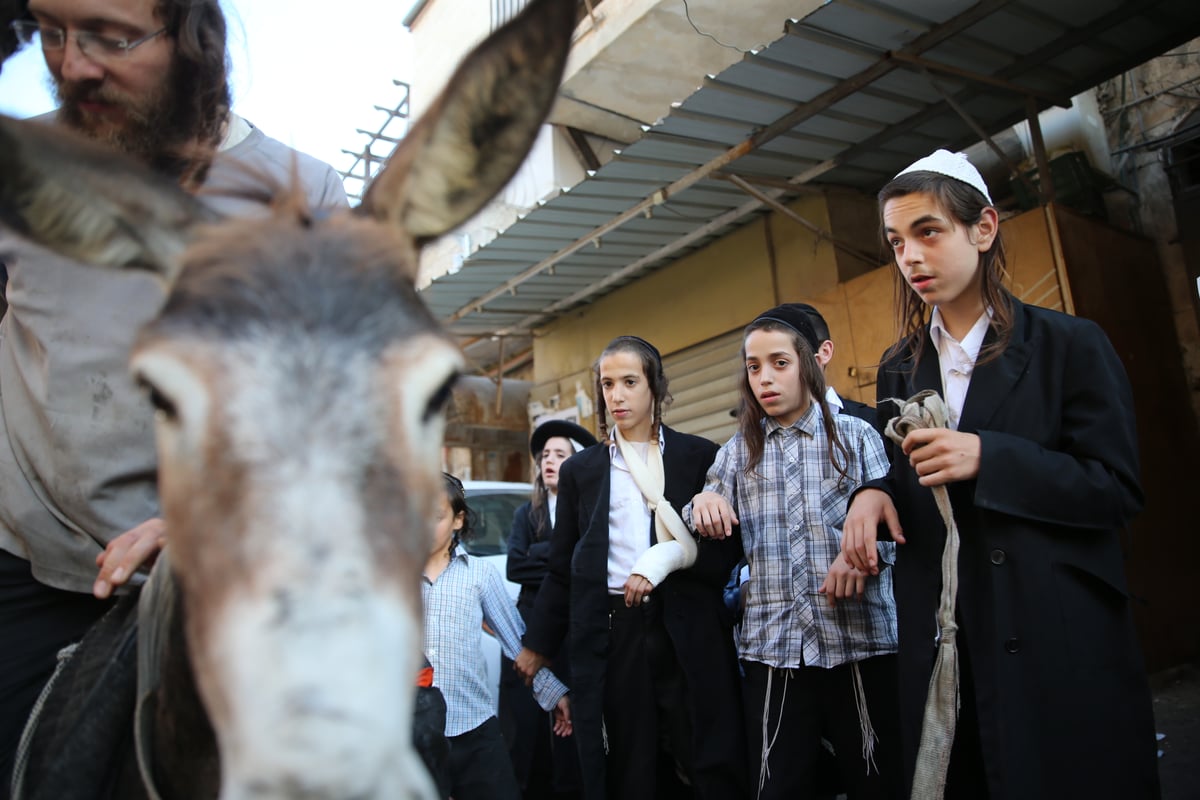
[[712, 515], [527, 663], [843, 582], [859, 533], [562, 717], [637, 589], [941, 456], [126, 554]]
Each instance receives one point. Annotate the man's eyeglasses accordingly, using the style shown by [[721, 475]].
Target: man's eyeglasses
[[92, 45]]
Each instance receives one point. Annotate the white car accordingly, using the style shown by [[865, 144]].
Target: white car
[[492, 505]]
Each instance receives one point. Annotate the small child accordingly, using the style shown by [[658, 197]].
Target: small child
[[460, 594], [812, 666]]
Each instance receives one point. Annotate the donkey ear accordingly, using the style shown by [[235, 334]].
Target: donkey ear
[[473, 138], [90, 203]]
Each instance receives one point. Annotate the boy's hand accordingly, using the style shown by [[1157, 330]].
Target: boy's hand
[[860, 531], [527, 663], [712, 515], [843, 582], [637, 589], [562, 717], [941, 456]]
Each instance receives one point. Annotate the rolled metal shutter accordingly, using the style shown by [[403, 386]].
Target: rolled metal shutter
[[704, 382]]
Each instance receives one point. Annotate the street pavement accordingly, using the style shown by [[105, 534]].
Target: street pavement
[[1177, 718]]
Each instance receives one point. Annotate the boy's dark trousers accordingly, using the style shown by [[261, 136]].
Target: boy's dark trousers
[[820, 702], [480, 768], [645, 707]]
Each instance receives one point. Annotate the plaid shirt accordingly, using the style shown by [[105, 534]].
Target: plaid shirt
[[791, 512], [466, 594]]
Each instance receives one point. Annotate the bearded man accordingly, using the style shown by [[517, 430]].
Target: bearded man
[[77, 460]]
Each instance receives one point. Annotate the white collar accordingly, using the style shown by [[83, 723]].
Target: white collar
[[970, 344], [236, 130], [612, 443], [832, 398]]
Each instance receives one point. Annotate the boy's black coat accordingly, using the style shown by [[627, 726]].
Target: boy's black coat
[[573, 602]]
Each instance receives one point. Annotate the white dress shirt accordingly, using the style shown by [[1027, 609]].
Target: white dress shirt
[[957, 360], [628, 519]]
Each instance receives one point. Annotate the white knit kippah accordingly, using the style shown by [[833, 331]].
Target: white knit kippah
[[952, 165]]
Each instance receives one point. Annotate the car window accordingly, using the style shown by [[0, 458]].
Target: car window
[[493, 521]]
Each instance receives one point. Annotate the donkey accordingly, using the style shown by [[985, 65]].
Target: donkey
[[299, 385]]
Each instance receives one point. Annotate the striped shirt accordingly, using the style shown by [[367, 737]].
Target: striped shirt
[[791, 512], [468, 593]]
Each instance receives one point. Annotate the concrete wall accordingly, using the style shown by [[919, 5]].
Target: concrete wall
[[441, 36], [639, 56], [1141, 107]]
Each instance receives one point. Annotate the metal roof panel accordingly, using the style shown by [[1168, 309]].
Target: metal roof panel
[[824, 102]]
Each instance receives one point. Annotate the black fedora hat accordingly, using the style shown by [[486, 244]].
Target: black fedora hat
[[559, 427]]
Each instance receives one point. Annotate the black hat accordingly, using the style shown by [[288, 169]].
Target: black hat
[[794, 316], [559, 427], [639, 342]]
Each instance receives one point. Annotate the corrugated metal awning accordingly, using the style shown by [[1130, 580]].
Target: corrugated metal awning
[[848, 96]]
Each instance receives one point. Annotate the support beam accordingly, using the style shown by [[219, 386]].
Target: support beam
[[770, 183], [633, 268], [657, 198], [1060, 260], [499, 378], [579, 143], [513, 362], [923, 64], [819, 232], [981, 133], [1045, 179]]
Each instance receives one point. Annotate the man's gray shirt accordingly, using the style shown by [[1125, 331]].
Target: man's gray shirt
[[77, 457]]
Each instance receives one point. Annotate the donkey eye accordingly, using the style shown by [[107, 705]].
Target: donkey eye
[[439, 400], [163, 405]]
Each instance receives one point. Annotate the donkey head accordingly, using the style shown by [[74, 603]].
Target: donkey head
[[299, 384]]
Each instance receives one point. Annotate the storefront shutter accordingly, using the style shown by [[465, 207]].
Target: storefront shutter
[[704, 381]]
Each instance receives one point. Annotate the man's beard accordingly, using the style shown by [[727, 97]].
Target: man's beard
[[156, 129]]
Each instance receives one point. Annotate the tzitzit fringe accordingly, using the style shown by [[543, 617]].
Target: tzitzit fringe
[[927, 410]]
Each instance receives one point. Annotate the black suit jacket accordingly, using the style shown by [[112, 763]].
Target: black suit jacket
[[862, 411], [572, 607], [1064, 708]]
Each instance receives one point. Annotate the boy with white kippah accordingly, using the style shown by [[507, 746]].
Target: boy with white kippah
[[1039, 459], [952, 165]]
